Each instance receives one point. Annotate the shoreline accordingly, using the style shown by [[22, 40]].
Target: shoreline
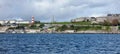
[[60, 33]]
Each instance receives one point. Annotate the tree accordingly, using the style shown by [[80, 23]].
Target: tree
[[76, 28], [37, 22], [72, 27], [20, 27], [0, 24], [119, 27], [33, 27], [64, 27], [41, 25]]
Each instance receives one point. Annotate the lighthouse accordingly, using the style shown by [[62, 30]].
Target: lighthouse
[[33, 21]]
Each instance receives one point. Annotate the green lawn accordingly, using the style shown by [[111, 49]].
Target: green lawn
[[24, 24], [75, 23], [82, 23], [90, 28], [80, 28]]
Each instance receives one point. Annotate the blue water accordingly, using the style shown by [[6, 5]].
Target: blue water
[[59, 43]]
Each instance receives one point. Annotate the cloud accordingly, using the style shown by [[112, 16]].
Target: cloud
[[44, 10]]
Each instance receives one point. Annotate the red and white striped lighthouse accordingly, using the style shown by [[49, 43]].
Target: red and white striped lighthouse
[[32, 20]]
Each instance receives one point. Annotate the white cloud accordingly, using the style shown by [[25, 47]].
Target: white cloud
[[17, 18], [42, 5], [97, 15], [61, 9]]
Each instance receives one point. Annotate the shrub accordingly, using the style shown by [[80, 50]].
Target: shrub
[[115, 22]]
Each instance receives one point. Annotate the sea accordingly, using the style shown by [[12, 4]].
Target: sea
[[59, 43]]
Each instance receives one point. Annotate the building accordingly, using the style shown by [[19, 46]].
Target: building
[[114, 15], [2, 22], [81, 19], [92, 19], [101, 19], [33, 21], [109, 18], [12, 21], [23, 22], [98, 20]]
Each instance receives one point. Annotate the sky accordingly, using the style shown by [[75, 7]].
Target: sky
[[61, 10]]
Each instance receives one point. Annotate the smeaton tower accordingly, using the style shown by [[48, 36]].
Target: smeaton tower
[[33, 20]]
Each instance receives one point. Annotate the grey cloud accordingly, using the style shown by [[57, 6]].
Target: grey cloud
[[43, 10]]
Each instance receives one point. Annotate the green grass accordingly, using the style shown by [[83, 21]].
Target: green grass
[[24, 24], [90, 28], [82, 23], [82, 28], [61, 23], [75, 23]]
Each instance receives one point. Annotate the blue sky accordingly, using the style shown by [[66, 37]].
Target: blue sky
[[62, 10]]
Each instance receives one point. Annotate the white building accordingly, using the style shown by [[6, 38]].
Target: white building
[[12, 21], [6, 22], [23, 22], [2, 22]]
